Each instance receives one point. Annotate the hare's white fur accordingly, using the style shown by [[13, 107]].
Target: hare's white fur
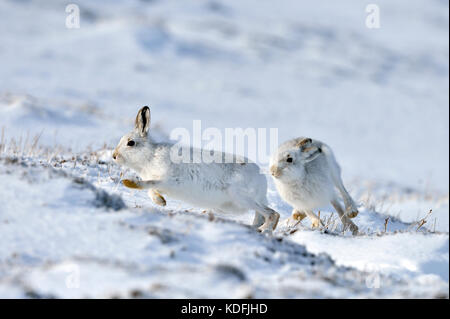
[[226, 187], [307, 176]]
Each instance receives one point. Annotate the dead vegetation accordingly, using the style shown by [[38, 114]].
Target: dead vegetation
[[331, 225], [16, 151]]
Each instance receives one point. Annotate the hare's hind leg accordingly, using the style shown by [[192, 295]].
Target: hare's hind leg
[[258, 221], [156, 197], [271, 217], [344, 218], [263, 214], [350, 208]]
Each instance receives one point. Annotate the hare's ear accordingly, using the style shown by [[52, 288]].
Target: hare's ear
[[311, 153], [143, 121], [304, 142]]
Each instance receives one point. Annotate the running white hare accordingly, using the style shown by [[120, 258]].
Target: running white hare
[[224, 187], [307, 176]]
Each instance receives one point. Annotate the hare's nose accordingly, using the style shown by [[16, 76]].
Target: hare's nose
[[274, 171], [114, 156]]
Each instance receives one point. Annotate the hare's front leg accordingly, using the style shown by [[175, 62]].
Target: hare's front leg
[[315, 221], [141, 184], [156, 197], [298, 215]]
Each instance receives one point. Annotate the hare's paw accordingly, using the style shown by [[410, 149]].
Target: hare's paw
[[353, 228], [131, 184], [265, 229], [271, 223], [315, 223], [157, 198], [298, 216], [352, 211]]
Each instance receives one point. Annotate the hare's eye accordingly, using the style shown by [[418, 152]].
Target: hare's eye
[[131, 143], [289, 160]]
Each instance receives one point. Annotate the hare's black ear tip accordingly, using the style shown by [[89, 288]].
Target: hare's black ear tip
[[145, 108]]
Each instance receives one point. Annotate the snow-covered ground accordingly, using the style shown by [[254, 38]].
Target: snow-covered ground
[[69, 229], [379, 97]]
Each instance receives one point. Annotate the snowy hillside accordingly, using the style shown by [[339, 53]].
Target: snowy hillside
[[379, 97], [70, 230]]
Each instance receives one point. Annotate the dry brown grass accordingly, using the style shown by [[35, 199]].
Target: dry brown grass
[[423, 221]]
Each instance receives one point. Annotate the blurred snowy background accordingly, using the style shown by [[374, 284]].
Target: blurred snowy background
[[379, 97]]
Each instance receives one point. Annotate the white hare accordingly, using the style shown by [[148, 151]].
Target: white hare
[[308, 177], [224, 187]]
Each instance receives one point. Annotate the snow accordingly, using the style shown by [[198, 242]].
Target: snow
[[70, 230], [400, 254], [378, 97]]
